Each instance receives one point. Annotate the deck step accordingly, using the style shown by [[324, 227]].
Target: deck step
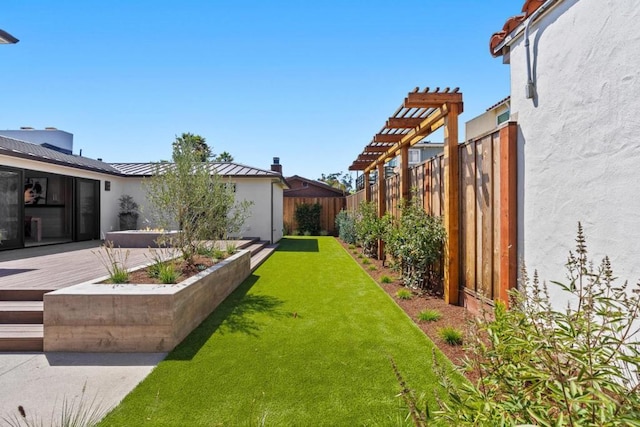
[[247, 241], [21, 312], [261, 256], [8, 294], [256, 247], [21, 337]]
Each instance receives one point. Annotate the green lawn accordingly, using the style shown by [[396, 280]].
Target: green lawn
[[304, 341]]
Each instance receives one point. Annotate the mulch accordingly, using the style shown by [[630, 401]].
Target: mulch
[[452, 315]]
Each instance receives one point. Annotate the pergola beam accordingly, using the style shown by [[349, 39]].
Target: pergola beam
[[388, 137], [403, 123]]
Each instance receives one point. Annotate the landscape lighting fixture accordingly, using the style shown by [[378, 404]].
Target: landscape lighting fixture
[[6, 38]]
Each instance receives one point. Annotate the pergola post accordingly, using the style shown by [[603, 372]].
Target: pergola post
[[405, 181], [382, 203], [451, 205]]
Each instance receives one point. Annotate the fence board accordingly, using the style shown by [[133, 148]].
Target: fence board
[[480, 207], [331, 206], [468, 215]]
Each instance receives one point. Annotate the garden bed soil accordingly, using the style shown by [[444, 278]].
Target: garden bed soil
[[201, 263], [452, 315]]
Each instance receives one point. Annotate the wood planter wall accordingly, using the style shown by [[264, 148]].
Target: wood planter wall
[[93, 317]]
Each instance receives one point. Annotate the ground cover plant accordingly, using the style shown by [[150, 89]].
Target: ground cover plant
[[297, 344]]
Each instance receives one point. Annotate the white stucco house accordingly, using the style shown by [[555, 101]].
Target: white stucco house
[[48, 196], [575, 95]]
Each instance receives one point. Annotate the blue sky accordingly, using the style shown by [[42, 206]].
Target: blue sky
[[309, 82]]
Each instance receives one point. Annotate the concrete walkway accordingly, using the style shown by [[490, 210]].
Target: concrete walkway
[[43, 383]]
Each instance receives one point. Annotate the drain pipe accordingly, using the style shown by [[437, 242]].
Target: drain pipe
[[530, 89]]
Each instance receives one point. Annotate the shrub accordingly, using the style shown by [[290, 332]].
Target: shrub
[[369, 228], [308, 218], [404, 294], [416, 242], [429, 315], [372, 268], [386, 279], [539, 365], [365, 261], [346, 225], [231, 248]]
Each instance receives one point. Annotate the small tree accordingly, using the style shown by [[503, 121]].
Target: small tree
[[369, 228], [415, 241], [308, 218], [190, 194]]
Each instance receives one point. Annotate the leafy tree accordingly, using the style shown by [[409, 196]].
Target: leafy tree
[[194, 143], [224, 157], [339, 180], [189, 193]]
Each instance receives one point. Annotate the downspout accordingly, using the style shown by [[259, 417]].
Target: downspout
[[531, 86]]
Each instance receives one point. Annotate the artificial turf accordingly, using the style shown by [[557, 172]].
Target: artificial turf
[[304, 341]]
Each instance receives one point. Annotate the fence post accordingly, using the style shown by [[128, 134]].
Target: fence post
[[405, 182], [451, 205], [367, 187], [508, 210]]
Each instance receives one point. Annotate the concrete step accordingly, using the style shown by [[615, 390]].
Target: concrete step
[[21, 312], [21, 337], [262, 255], [8, 294]]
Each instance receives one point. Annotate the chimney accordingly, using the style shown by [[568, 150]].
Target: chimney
[[276, 166]]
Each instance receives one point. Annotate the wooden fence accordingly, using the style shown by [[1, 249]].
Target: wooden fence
[[331, 206], [487, 209]]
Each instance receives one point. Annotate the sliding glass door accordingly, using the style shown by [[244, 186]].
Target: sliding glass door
[[87, 207], [11, 208]]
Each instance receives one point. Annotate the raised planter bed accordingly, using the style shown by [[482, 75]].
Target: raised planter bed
[[94, 317], [136, 238]]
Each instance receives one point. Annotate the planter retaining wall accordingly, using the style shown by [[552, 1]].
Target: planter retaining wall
[[92, 317]]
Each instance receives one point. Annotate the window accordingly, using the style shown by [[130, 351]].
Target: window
[[414, 157], [503, 117]]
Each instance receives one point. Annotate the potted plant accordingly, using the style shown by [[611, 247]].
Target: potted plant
[[128, 213]]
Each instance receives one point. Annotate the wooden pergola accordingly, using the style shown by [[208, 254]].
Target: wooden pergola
[[421, 114]]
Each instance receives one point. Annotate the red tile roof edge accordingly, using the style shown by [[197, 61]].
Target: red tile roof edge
[[529, 7]]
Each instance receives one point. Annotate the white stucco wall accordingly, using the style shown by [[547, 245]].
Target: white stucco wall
[[579, 139], [257, 190]]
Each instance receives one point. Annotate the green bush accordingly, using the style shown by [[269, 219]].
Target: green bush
[[346, 225], [369, 228], [386, 279], [573, 366], [416, 242], [308, 218]]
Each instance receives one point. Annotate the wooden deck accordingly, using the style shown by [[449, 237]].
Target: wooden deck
[[59, 266]]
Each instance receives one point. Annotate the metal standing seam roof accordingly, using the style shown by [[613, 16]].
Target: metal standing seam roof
[[221, 168], [16, 148], [26, 150]]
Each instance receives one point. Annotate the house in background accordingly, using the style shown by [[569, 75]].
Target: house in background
[[575, 94], [303, 190], [483, 124], [303, 187], [48, 196]]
